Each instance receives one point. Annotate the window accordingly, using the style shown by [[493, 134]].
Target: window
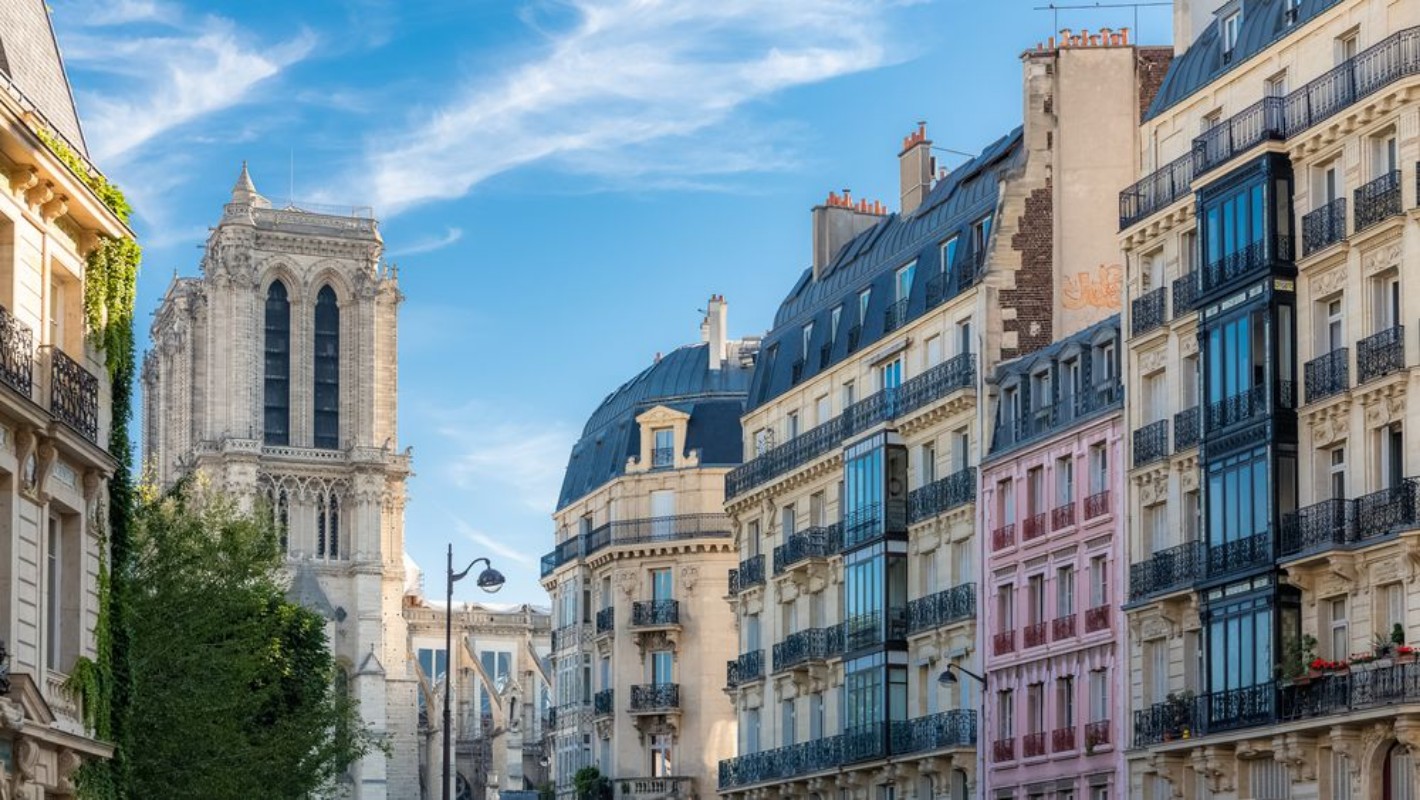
[[1105, 363], [1156, 660], [1383, 155], [1035, 589], [890, 374], [927, 461], [277, 387], [961, 449], [1340, 776], [327, 370], [661, 756], [816, 716], [54, 590], [834, 317], [1188, 252], [1155, 398], [749, 732], [1192, 513], [1276, 85], [1152, 270], [1211, 120], [1041, 396], [1035, 491], [751, 633], [1006, 713], [933, 352], [499, 667], [1392, 610], [1156, 528], [1237, 497], [949, 254], [1387, 301], [903, 281], [1006, 608], [823, 410], [1390, 455], [791, 425], [664, 453], [818, 515], [1231, 24], [863, 298], [849, 394], [763, 441], [964, 339], [1065, 702], [328, 525], [788, 724], [788, 521], [1035, 708], [1006, 502], [962, 562], [661, 586], [1339, 637], [1099, 581], [808, 335], [750, 545], [1071, 384], [1346, 46], [1333, 333], [281, 517], [1065, 591], [1099, 468], [981, 235], [1099, 695], [1336, 472], [661, 667]]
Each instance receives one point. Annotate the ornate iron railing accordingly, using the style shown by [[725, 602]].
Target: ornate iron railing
[[662, 457], [942, 608], [660, 787], [16, 354], [955, 728], [1003, 642], [1249, 552], [1003, 537], [1185, 293], [1243, 406], [1062, 516], [1097, 504], [802, 647], [1377, 200], [561, 554], [1096, 734], [1185, 429], [748, 667], [1063, 627], [1069, 408], [942, 495], [1262, 121], [1380, 354], [1034, 526], [1003, 750], [1189, 716], [895, 316], [1387, 510], [750, 573], [1036, 634], [864, 743], [1062, 740], [1156, 191], [1166, 571], [637, 531], [1324, 227], [1147, 311], [606, 620], [1327, 375], [655, 613], [1358, 689], [655, 697], [73, 394], [1244, 262], [807, 544], [1318, 527], [1033, 744], [863, 630], [1151, 442], [1097, 618], [782, 763], [603, 703]]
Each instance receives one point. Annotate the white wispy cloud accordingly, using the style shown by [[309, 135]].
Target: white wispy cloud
[[430, 244], [174, 72], [522, 460], [627, 76], [491, 544]]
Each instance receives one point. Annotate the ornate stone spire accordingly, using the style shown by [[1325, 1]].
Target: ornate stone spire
[[244, 193]]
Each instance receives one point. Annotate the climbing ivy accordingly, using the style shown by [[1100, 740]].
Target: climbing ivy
[[110, 289]]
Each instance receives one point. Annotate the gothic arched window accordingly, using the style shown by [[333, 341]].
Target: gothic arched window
[[328, 526], [327, 370], [277, 388], [281, 518]]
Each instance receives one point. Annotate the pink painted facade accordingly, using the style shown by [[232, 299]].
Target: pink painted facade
[[1051, 512]]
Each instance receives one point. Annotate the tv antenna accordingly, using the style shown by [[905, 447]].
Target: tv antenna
[[1056, 8]]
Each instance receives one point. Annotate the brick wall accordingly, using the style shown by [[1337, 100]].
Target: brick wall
[[1032, 298], [1153, 65]]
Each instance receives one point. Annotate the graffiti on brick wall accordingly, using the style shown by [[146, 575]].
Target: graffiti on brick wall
[[1100, 288]]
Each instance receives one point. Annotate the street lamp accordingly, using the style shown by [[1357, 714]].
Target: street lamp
[[948, 679], [489, 580]]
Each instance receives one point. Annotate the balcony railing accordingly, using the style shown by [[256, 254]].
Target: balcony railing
[[1034, 527], [1380, 354], [1035, 634], [1185, 293], [1011, 432], [750, 574], [1328, 375], [637, 531], [1243, 406], [603, 704], [606, 620], [1378, 200], [1062, 516], [895, 315], [1004, 642], [17, 354], [1251, 258], [1097, 618], [1262, 121], [782, 763], [1062, 740], [1159, 190], [942, 495], [948, 284], [1247, 553], [654, 788], [1318, 527], [748, 667], [1358, 689], [1063, 627], [1003, 537], [1324, 227], [662, 457], [1166, 571], [73, 394], [1096, 734], [1185, 717], [1185, 429], [655, 697], [1003, 750], [942, 608], [1148, 310], [561, 554], [655, 613], [1033, 744], [1097, 504], [955, 728], [1151, 442], [803, 647], [818, 542], [952, 375], [1387, 510]]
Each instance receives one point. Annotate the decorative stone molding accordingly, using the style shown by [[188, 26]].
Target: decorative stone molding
[[689, 576], [1153, 360], [1381, 256], [1297, 752]]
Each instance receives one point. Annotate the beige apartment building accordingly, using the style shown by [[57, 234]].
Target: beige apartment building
[[859, 671], [55, 418], [638, 576], [1272, 255]]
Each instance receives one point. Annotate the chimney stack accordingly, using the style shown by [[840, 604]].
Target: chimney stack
[[717, 320], [837, 221], [916, 165]]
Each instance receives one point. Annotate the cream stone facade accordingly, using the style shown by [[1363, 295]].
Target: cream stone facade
[[638, 577], [502, 693], [55, 420], [1311, 111], [274, 375]]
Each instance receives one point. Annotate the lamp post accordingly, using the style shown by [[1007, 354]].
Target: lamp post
[[947, 678], [489, 580]]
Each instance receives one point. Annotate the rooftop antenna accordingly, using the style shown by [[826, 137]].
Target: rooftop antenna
[[1055, 8]]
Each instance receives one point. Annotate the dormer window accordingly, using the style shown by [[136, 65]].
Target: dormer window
[[808, 336], [1290, 11], [833, 317], [1231, 24], [863, 298], [663, 454]]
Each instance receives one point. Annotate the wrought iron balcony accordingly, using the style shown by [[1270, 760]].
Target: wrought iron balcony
[[1157, 191], [602, 703], [942, 495], [1380, 354], [1147, 311], [1097, 618], [1096, 734], [655, 698], [750, 574], [1246, 261], [1317, 528], [16, 354], [803, 647], [1151, 442], [1188, 716], [1166, 571], [1033, 744], [1062, 516], [606, 621], [1185, 429], [1003, 537], [1260, 122], [1097, 504], [1035, 634], [1240, 555], [866, 630], [865, 743], [1063, 627], [1328, 375], [1378, 200], [955, 374], [73, 394], [942, 608], [782, 763], [654, 788], [658, 529], [662, 457], [1243, 406], [1065, 411], [1062, 740], [1388, 510], [955, 728], [1357, 689], [655, 613], [1324, 227], [895, 316], [1185, 293], [1003, 750], [1003, 643], [1034, 527], [808, 544]]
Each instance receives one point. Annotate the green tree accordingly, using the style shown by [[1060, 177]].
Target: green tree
[[590, 784], [235, 693]]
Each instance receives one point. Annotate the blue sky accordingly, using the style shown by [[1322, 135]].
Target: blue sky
[[562, 182]]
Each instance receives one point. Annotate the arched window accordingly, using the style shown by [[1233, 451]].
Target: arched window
[[327, 370], [277, 387], [281, 518], [328, 526]]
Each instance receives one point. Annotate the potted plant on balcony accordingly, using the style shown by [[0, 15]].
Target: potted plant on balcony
[[1362, 659], [1404, 654], [1178, 708], [1320, 666], [1298, 659]]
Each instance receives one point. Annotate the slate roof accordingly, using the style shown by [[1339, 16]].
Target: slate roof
[[30, 61], [681, 380], [872, 258], [1263, 22]]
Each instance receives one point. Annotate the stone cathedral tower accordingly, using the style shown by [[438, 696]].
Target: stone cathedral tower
[[274, 375]]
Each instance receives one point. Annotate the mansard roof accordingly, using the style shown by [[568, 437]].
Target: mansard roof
[[31, 66]]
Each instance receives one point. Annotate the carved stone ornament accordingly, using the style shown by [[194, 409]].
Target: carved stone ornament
[[1153, 360], [628, 581], [69, 763], [1329, 282], [689, 576], [1381, 257], [1187, 345]]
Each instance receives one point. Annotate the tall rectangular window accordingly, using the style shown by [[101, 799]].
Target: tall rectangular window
[[1035, 586], [1035, 708], [326, 396], [1065, 591], [927, 463], [1339, 636], [663, 454], [788, 723], [1099, 695], [949, 254], [1006, 608], [1099, 468], [863, 298], [1006, 713], [54, 590], [661, 667], [903, 281], [1231, 24], [1099, 581], [1065, 702], [277, 366], [661, 756]]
